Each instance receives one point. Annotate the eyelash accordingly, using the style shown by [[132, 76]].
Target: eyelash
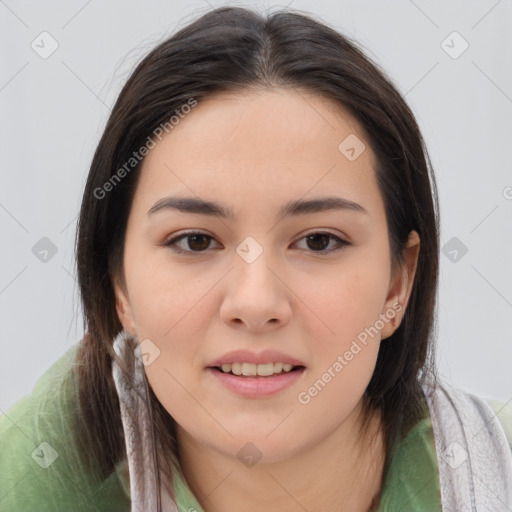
[[173, 241]]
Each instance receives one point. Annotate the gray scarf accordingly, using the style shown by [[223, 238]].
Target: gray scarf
[[146, 492]]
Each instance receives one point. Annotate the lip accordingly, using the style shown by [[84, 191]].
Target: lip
[[256, 387], [246, 356]]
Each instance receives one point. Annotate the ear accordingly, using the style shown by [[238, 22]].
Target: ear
[[401, 286], [123, 308]]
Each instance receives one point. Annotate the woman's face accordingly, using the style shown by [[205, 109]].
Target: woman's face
[[314, 285]]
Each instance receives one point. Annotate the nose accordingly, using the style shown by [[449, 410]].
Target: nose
[[256, 298]]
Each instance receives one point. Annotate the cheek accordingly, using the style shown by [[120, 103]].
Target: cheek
[[346, 353], [164, 296], [345, 300]]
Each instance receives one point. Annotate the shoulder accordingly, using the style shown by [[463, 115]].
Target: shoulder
[[40, 468]]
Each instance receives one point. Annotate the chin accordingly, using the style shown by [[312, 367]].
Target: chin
[[261, 449]]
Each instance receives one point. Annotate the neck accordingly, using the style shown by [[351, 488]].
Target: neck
[[340, 469]]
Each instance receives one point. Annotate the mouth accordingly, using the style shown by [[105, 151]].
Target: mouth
[[256, 381], [257, 370]]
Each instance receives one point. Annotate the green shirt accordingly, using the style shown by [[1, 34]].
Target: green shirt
[[40, 469]]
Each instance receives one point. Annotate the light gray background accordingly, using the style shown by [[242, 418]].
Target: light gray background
[[54, 111]]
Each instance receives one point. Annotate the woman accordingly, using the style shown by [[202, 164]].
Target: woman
[[257, 253]]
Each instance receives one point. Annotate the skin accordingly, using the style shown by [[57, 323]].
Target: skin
[[253, 152]]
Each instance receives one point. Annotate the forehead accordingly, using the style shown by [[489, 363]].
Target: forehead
[[261, 145], [287, 123]]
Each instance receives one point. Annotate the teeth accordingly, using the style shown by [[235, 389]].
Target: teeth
[[250, 369]]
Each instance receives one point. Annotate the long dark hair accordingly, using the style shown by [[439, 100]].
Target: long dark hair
[[232, 49]]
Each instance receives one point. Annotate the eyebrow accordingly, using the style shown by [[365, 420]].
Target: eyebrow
[[292, 208]]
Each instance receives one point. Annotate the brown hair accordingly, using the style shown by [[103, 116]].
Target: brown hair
[[233, 49]]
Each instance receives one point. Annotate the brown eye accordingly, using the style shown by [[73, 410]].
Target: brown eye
[[198, 242], [319, 242], [193, 242]]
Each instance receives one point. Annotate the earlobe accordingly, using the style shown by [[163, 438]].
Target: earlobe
[[124, 310], [401, 286]]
